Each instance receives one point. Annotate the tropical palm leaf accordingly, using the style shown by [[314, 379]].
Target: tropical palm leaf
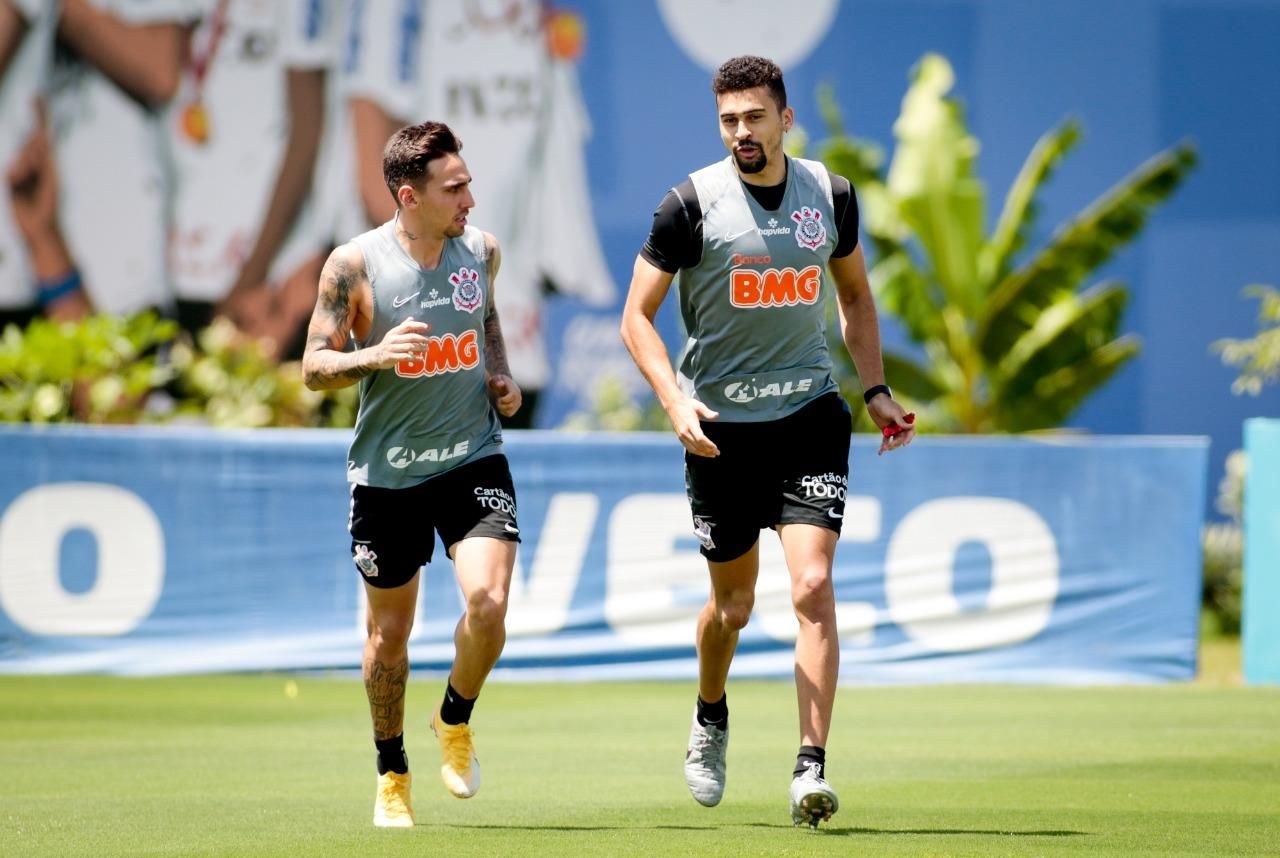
[[932, 177], [901, 288], [1086, 243], [1019, 212], [1056, 396], [912, 379], [1063, 334]]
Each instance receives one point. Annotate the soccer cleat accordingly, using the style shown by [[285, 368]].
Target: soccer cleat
[[704, 762], [461, 770], [812, 798], [391, 808]]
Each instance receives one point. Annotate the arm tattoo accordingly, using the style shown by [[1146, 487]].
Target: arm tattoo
[[325, 364], [385, 686], [495, 349]]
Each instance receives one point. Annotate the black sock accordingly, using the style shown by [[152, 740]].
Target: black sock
[[808, 755], [391, 755], [455, 709], [714, 714]]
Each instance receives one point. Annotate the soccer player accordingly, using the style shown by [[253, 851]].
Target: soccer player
[[416, 294], [755, 239], [486, 69]]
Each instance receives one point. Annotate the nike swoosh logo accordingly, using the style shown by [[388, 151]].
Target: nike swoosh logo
[[510, 529], [400, 302], [834, 514], [730, 236]]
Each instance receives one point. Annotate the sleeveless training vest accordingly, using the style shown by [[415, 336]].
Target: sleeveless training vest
[[753, 306], [430, 413]]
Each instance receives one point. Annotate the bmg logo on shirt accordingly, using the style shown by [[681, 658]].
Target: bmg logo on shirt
[[449, 353], [774, 287]]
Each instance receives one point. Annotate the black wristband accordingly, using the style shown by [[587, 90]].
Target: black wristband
[[872, 392]]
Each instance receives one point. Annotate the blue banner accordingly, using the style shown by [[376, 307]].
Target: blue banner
[[156, 551]]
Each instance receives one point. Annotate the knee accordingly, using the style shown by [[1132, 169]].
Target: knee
[[813, 596], [487, 609], [735, 608], [390, 632]]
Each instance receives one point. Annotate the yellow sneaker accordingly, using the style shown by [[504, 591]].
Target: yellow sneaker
[[392, 809], [461, 769]]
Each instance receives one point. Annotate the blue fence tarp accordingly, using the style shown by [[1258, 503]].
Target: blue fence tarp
[[156, 551]]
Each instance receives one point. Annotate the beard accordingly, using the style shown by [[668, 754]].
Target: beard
[[751, 165]]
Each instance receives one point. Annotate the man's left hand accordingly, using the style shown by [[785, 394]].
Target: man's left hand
[[884, 412], [505, 394]]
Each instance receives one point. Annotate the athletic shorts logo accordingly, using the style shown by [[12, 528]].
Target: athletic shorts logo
[[774, 287], [810, 233], [829, 485], [498, 500], [449, 353], [467, 294], [746, 391], [702, 530], [365, 558]]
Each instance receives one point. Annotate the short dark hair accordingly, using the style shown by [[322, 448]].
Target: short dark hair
[[411, 150], [749, 72]]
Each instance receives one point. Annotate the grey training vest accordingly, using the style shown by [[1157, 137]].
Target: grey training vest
[[429, 414], [753, 305]]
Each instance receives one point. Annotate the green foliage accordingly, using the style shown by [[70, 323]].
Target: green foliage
[[111, 369], [99, 370], [1257, 358], [1223, 544], [227, 380], [1009, 343], [613, 410]]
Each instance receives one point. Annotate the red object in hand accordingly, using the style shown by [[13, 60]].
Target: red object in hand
[[893, 428]]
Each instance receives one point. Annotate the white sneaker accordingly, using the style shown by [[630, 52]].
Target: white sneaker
[[812, 798], [704, 762]]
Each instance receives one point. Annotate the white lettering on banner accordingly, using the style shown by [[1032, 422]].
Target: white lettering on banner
[[855, 621], [539, 604], [920, 572], [653, 591], [131, 565]]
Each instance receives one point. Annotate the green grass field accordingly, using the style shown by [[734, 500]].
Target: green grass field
[[222, 765]]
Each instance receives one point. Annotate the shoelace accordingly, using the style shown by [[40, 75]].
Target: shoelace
[[457, 745], [703, 741], [392, 796], [814, 771]]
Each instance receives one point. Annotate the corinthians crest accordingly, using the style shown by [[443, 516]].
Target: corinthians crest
[[366, 561], [810, 232], [467, 294]]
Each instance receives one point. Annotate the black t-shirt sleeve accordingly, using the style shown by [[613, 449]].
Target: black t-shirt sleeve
[[675, 241], [846, 206]]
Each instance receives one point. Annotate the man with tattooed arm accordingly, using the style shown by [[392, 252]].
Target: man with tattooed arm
[[416, 296]]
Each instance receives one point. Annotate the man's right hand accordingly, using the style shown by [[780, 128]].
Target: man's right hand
[[405, 341], [685, 414]]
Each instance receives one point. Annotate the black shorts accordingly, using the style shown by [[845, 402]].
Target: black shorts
[[789, 471], [393, 531]]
